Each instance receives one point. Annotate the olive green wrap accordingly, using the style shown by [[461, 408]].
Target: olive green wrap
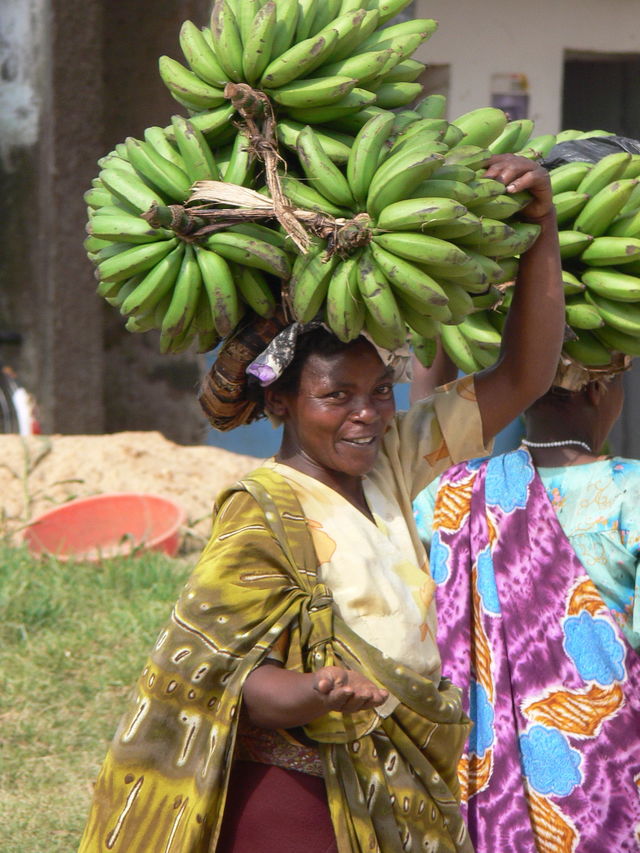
[[391, 782]]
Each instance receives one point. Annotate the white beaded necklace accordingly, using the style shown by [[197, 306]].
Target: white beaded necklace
[[565, 443]]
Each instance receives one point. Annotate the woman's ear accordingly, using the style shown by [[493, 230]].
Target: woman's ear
[[596, 390], [276, 403]]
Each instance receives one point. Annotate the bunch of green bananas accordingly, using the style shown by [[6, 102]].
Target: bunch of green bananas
[[598, 211], [187, 289], [316, 61], [423, 229]]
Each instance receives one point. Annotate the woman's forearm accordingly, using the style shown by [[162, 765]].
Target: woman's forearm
[[278, 698]]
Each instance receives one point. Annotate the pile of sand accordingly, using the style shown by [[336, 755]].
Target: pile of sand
[[40, 472]]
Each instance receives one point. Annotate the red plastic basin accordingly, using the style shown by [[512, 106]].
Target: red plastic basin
[[108, 525]]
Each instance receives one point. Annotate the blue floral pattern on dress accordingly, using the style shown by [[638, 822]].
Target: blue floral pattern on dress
[[482, 715], [594, 648], [439, 559], [487, 582], [550, 764], [507, 481]]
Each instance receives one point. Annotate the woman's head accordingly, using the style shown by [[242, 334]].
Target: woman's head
[[587, 414], [335, 400]]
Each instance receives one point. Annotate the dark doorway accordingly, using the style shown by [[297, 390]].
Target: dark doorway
[[602, 91]]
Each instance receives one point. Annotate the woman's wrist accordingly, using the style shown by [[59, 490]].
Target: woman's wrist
[[548, 217]]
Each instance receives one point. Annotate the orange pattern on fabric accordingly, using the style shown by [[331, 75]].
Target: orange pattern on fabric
[[585, 597], [437, 455], [325, 546], [576, 712], [453, 505], [553, 831]]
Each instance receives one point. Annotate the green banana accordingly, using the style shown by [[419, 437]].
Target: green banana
[[477, 328], [444, 188], [156, 283], [422, 27], [240, 166], [245, 14], [466, 223], [200, 57], [580, 314], [186, 87], [538, 146], [309, 283], [568, 176], [123, 227], [418, 213], [156, 137], [618, 341], [432, 106], [525, 236], [121, 293], [481, 126], [164, 175], [600, 210], [337, 146], [227, 40], [604, 172], [459, 301], [365, 151], [611, 251], [258, 43], [130, 190], [433, 252], [183, 300], [571, 283], [199, 161], [411, 282], [396, 176], [98, 197], [243, 249], [612, 284], [299, 60], [254, 289], [345, 310], [572, 243], [623, 316], [212, 123], [457, 348], [285, 28], [424, 348], [513, 136], [587, 350], [305, 196], [417, 321], [625, 225], [306, 15], [313, 91], [225, 305], [390, 96], [363, 67], [134, 260], [568, 205], [473, 156], [383, 320], [356, 101], [406, 71], [360, 28], [321, 171], [260, 232], [501, 207]]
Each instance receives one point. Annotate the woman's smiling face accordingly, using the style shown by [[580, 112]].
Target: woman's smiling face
[[335, 422]]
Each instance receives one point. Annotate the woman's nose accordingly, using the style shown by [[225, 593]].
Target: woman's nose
[[366, 410]]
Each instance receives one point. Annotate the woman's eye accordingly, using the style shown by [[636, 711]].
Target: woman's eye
[[385, 390], [336, 395]]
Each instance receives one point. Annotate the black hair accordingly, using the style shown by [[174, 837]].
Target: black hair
[[316, 341]]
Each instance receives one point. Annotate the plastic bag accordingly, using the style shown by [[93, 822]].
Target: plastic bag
[[589, 150]]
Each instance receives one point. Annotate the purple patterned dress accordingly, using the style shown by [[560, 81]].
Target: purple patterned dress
[[553, 688]]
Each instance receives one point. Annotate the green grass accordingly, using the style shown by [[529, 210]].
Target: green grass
[[73, 638]]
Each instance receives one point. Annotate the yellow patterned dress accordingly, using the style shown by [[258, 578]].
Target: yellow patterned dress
[[289, 555]]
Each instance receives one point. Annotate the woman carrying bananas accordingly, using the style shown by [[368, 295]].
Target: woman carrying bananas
[[536, 554], [295, 701]]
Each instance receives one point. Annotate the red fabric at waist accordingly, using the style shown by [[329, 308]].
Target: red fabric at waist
[[272, 810]]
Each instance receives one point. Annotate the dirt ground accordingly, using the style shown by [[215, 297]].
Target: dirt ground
[[40, 472]]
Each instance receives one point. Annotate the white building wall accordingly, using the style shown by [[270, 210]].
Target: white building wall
[[497, 37]]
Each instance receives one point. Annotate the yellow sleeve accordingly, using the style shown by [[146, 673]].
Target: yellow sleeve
[[435, 433]]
